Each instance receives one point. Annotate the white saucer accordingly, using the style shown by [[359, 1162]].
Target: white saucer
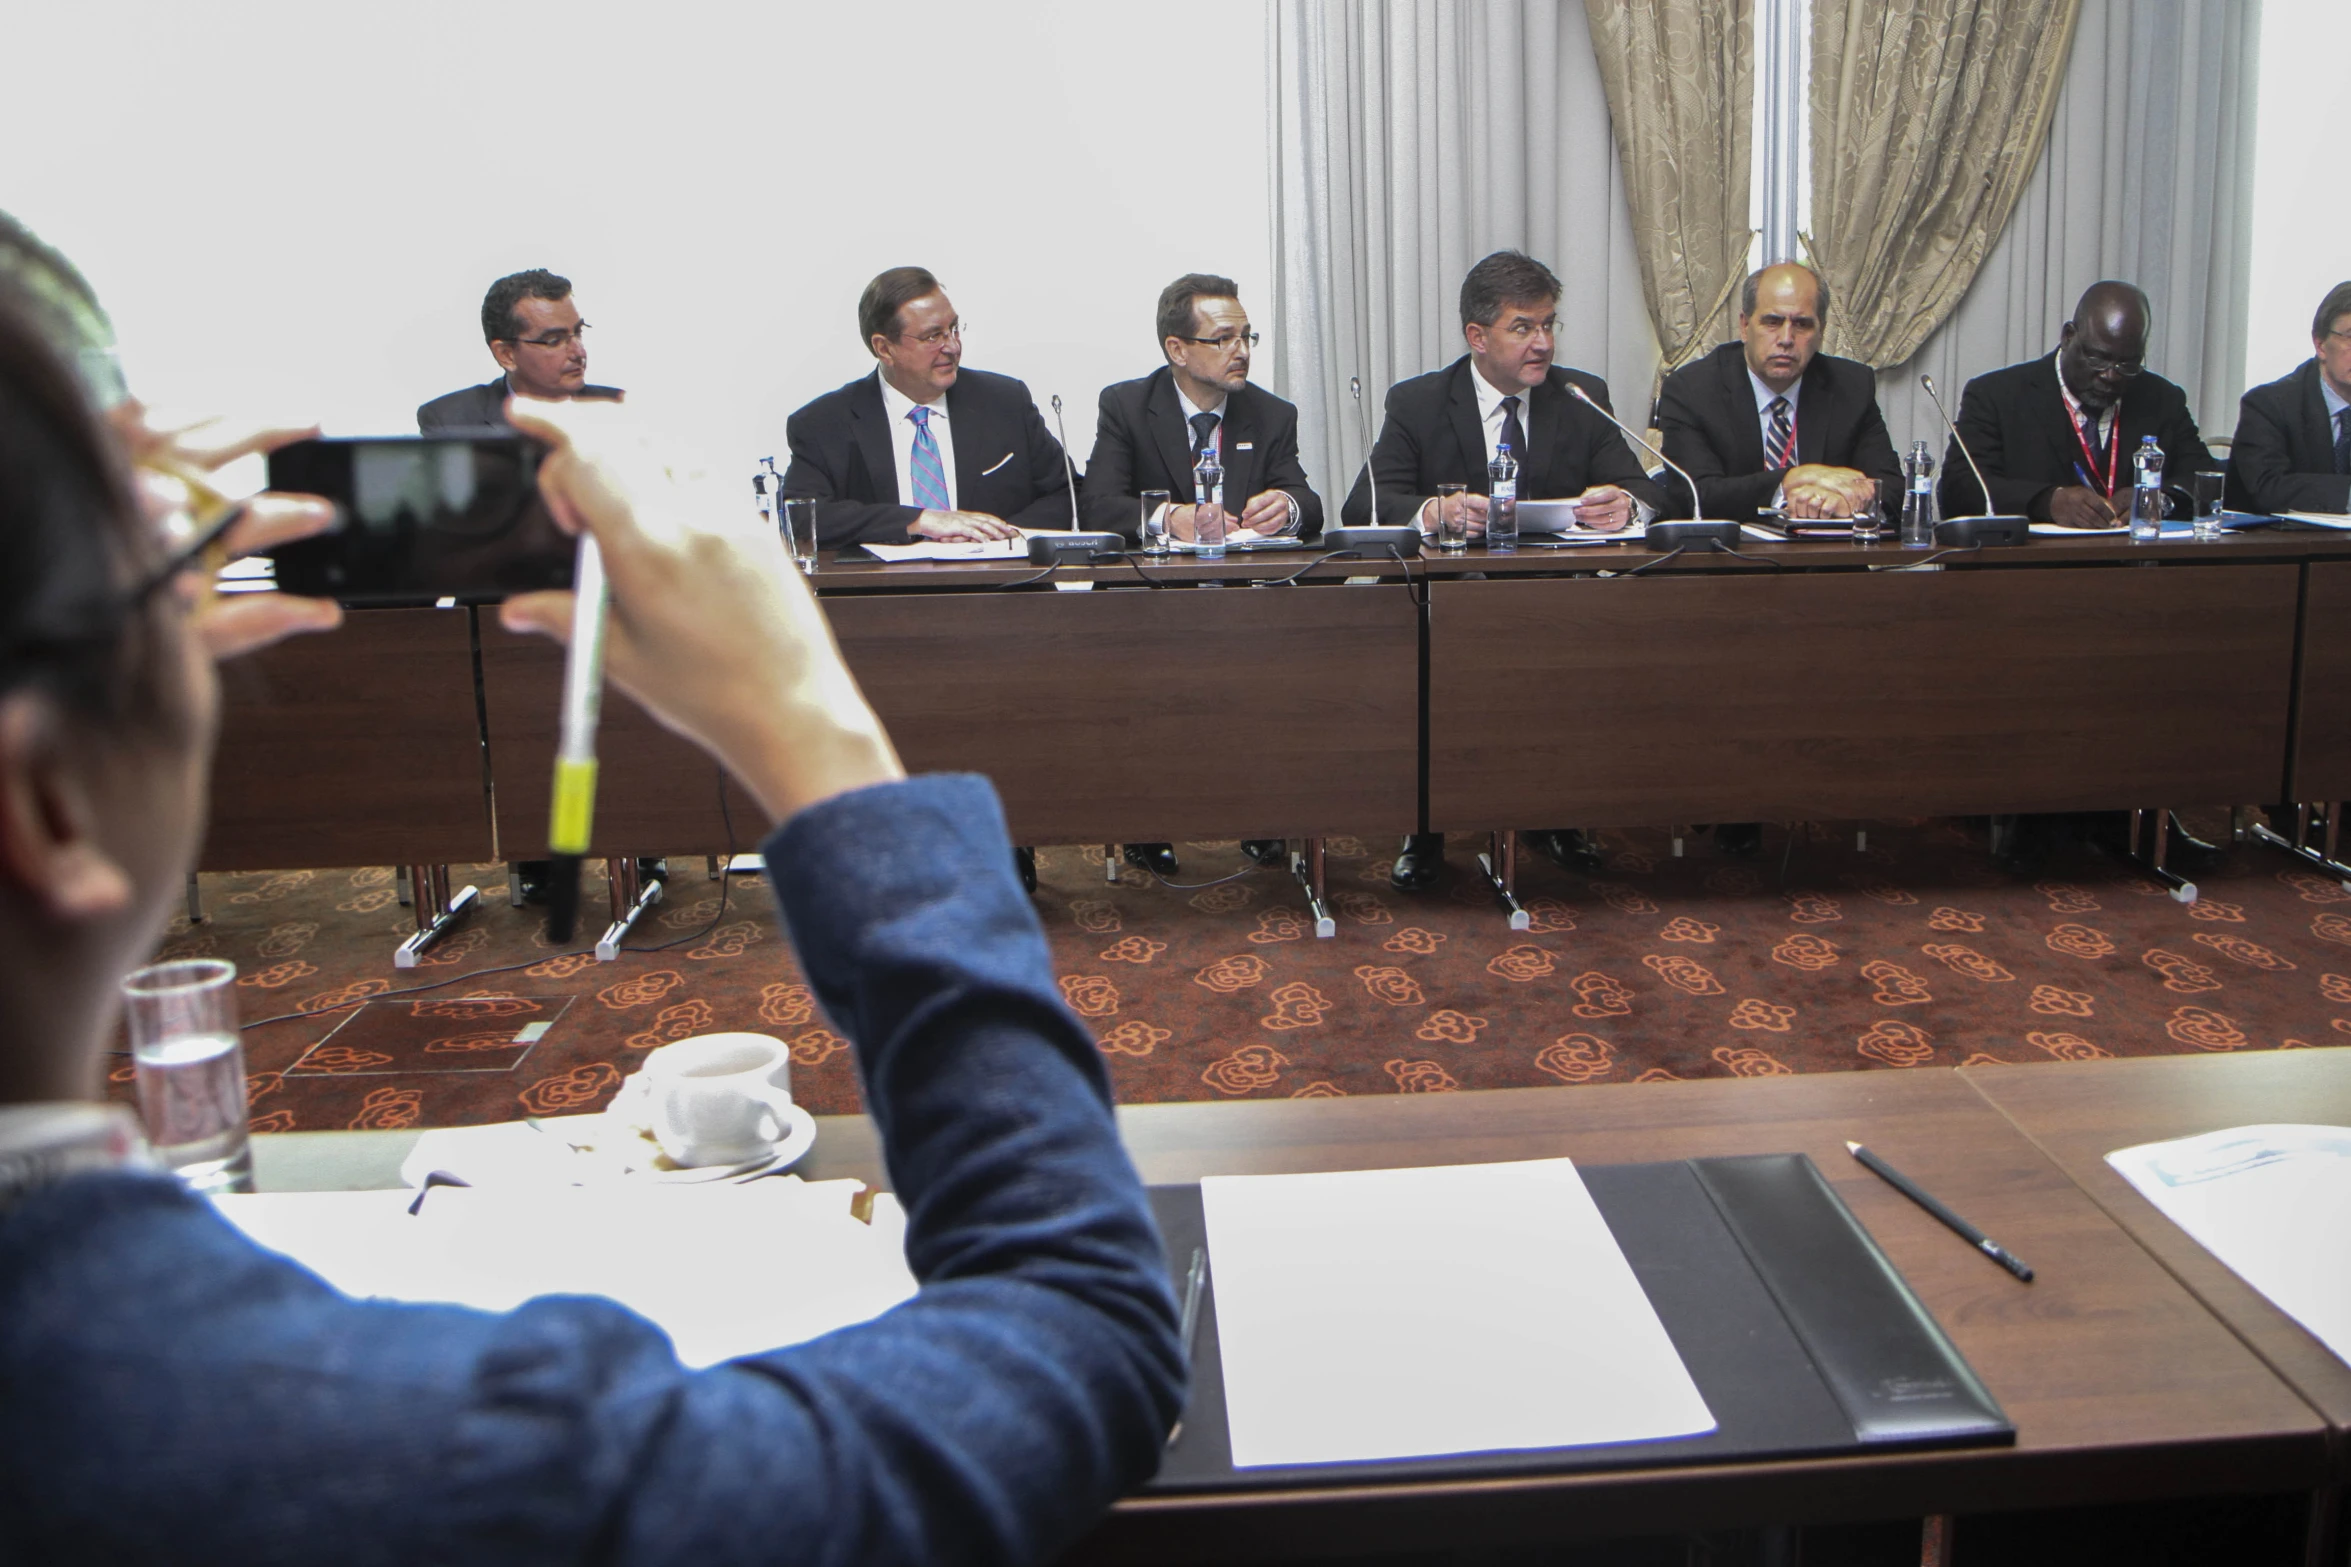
[[799, 1137]]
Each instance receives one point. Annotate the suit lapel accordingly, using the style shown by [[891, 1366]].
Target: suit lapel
[[869, 423], [976, 446], [1163, 414], [2044, 405], [2317, 429], [1241, 432], [1550, 416], [1813, 411], [1461, 406], [1746, 420]]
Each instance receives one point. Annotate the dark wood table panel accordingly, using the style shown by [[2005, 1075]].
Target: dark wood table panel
[[2081, 1111], [361, 746], [2121, 1385], [1730, 697], [655, 793], [1125, 715], [2320, 768]]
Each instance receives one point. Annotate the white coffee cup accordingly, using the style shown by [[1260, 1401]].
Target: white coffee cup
[[719, 1098]]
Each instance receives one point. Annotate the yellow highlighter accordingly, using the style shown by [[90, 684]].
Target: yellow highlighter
[[571, 818]]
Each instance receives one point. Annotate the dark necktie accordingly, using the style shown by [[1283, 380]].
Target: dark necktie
[[2343, 441], [1783, 436], [1514, 434], [1203, 431], [2094, 440]]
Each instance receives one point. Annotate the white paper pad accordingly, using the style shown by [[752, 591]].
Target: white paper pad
[[2058, 530], [1410, 1313], [2273, 1203], [955, 549], [2322, 519], [724, 1270]]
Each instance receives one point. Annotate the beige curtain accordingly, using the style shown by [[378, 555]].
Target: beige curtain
[[1681, 87], [1928, 116]]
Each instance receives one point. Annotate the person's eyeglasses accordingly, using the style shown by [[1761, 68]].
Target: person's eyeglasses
[[2337, 331], [1225, 344], [578, 334], [2099, 362], [204, 551], [953, 330], [1524, 329]]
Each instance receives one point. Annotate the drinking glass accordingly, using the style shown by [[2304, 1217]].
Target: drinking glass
[[1155, 521], [2205, 490], [1869, 519], [800, 532], [191, 1070], [1452, 517]]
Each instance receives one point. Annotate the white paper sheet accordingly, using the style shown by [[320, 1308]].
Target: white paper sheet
[[2323, 519], [955, 549], [2273, 1202], [724, 1270], [1409, 1313]]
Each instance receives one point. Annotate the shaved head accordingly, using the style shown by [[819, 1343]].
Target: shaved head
[[2103, 348]]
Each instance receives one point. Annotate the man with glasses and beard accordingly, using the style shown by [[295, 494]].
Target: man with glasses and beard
[[534, 330]]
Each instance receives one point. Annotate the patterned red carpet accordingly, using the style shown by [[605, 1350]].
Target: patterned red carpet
[[1914, 952]]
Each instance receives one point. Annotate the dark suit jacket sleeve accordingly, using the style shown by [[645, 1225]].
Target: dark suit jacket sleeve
[[1107, 495], [2184, 451], [1694, 437], [1959, 495], [1607, 456], [1395, 463], [822, 453], [2263, 475], [1873, 454], [1283, 471], [1048, 506]]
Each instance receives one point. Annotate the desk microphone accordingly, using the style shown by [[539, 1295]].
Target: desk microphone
[[1363, 428], [1072, 548], [1983, 528], [1667, 534], [1374, 537]]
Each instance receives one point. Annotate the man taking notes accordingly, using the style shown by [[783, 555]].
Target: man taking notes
[[923, 448], [1772, 421], [1443, 428], [2293, 446], [2055, 435]]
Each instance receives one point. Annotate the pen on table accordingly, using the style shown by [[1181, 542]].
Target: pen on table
[[1194, 1277], [571, 817], [1919, 1194]]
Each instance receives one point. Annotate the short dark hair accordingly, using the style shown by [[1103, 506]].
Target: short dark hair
[[1754, 281], [1507, 277], [71, 548], [2337, 303], [885, 296], [499, 323], [1176, 300]]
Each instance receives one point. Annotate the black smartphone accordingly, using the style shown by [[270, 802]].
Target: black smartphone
[[422, 518]]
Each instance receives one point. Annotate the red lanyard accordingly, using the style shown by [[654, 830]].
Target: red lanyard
[[2089, 458]]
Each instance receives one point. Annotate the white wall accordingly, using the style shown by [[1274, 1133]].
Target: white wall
[[2301, 224], [295, 208]]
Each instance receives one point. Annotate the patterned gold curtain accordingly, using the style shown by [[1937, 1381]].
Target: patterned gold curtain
[[1681, 88], [1927, 119]]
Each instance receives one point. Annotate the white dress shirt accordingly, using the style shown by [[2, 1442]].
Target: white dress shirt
[[897, 405]]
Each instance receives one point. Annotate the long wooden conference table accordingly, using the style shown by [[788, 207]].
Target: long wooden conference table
[[1802, 680], [2134, 1368]]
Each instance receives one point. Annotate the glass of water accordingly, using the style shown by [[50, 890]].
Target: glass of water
[[1452, 517], [191, 1070], [2205, 490], [1155, 521], [800, 532], [1869, 518]]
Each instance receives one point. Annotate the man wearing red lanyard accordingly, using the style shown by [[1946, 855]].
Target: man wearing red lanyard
[[2054, 435]]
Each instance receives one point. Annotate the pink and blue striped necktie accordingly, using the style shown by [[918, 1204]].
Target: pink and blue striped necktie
[[929, 475]]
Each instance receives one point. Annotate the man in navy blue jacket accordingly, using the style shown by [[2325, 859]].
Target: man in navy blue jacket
[[175, 1394]]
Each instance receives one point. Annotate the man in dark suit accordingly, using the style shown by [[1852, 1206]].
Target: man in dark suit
[[1443, 428], [534, 330], [1150, 432], [2293, 446], [1770, 420], [535, 333], [2055, 435], [923, 448]]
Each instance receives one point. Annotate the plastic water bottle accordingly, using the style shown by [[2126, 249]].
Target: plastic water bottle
[[1502, 502], [1208, 517], [2147, 492], [1918, 498]]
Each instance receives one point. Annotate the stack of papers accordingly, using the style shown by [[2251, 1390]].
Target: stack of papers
[[2273, 1203], [956, 549], [2321, 519], [1385, 1314]]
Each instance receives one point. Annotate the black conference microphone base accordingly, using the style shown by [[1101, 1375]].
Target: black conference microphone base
[[1684, 534], [1373, 540], [1983, 532], [1072, 549]]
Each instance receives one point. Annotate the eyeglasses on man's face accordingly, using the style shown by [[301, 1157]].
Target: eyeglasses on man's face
[[951, 332], [2103, 364], [1520, 328], [559, 338], [1226, 342]]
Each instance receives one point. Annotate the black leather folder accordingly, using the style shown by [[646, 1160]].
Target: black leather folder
[[1802, 1338]]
